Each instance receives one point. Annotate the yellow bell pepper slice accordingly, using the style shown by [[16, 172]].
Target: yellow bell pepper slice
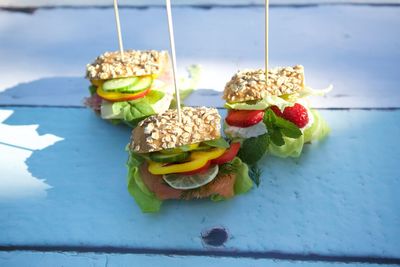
[[197, 160], [115, 96]]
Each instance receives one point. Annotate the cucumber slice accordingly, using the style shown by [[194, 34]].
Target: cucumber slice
[[121, 84], [144, 83], [180, 149], [186, 182], [203, 147], [168, 158]]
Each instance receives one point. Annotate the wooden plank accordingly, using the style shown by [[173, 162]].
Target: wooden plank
[[339, 198], [38, 259], [353, 47]]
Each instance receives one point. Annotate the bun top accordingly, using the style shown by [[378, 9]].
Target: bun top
[[163, 131], [249, 85], [110, 65]]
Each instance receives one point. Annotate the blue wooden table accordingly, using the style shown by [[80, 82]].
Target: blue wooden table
[[63, 196]]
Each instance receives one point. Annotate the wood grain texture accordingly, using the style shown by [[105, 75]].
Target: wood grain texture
[[355, 48], [339, 198]]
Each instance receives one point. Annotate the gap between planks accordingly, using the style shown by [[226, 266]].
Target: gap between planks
[[219, 108], [274, 255], [33, 9]]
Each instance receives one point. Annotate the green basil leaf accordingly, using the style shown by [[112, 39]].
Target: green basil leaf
[[292, 133], [282, 123], [253, 148], [221, 143], [277, 138]]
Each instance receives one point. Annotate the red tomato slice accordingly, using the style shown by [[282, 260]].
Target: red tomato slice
[[229, 154], [116, 97], [199, 170], [244, 118]]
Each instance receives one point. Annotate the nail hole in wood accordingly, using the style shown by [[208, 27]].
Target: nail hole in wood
[[215, 237]]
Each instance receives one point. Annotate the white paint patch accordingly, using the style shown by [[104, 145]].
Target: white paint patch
[[17, 144]]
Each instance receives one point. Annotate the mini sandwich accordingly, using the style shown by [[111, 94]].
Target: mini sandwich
[[188, 160], [131, 88], [275, 117]]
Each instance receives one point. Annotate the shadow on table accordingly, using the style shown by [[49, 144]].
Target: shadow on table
[[91, 157], [55, 104], [70, 92], [55, 91]]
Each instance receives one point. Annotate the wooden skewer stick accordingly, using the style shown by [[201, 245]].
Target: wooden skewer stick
[[173, 55], [266, 39], [121, 46]]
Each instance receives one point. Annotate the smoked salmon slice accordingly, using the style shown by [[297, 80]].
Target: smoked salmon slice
[[222, 185]]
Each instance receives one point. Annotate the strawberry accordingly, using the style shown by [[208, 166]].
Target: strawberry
[[296, 114], [244, 118]]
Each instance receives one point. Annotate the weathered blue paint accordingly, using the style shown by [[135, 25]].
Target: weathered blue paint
[[340, 198], [35, 259], [353, 47]]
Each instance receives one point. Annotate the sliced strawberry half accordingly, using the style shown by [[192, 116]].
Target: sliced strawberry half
[[296, 114], [244, 118]]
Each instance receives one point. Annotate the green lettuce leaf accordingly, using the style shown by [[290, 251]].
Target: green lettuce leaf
[[318, 130], [291, 148], [262, 104], [92, 89], [243, 182], [131, 112], [280, 101], [134, 159], [145, 199]]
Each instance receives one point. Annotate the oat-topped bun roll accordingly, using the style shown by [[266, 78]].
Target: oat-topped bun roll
[[275, 113], [249, 85], [187, 160], [163, 131], [110, 65], [130, 88]]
